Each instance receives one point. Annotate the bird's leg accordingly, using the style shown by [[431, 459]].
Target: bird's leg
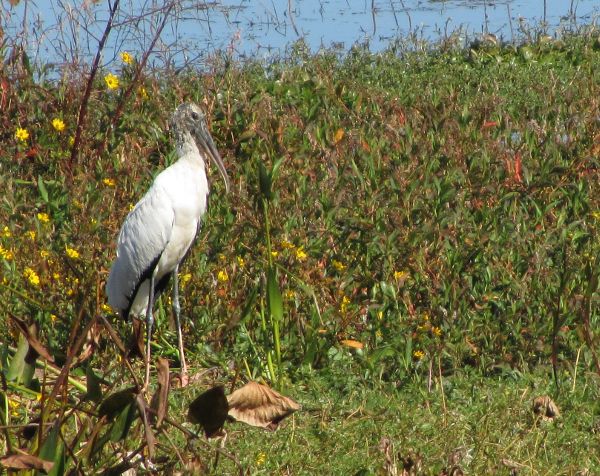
[[176, 311], [149, 324]]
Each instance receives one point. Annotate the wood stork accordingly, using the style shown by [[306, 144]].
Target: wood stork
[[159, 231]]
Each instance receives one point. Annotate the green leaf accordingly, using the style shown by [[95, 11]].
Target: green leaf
[[122, 424], [20, 370], [274, 296], [264, 180], [115, 403], [94, 393], [42, 188], [53, 450]]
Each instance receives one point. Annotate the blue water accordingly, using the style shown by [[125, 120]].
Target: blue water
[[266, 28]]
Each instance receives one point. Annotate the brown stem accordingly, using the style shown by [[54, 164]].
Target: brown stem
[[88, 89], [140, 67]]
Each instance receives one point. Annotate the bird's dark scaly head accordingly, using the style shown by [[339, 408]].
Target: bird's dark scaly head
[[189, 118]]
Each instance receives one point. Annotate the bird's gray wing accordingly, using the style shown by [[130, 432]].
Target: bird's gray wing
[[143, 237]]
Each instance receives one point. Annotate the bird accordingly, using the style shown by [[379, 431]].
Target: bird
[[160, 230]]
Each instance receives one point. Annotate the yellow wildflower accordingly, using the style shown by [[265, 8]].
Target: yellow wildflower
[[21, 134], [43, 217], [186, 278], [56, 276], [379, 315], [53, 317], [126, 57], [58, 124], [241, 262], [222, 276], [13, 406], [289, 294], [274, 254], [44, 253], [143, 93], [286, 245], [72, 253], [109, 182], [344, 304], [338, 265], [596, 215], [418, 354], [93, 221], [6, 254], [6, 232], [106, 308], [400, 275], [112, 81], [301, 254], [30, 234], [71, 140], [31, 276], [436, 331], [261, 458]]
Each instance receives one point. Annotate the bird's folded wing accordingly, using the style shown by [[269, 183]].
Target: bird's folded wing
[[143, 237]]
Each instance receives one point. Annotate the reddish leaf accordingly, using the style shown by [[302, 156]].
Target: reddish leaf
[[160, 400], [29, 332]]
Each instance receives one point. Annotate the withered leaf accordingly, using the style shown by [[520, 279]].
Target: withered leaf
[[30, 333], [25, 461], [259, 405], [354, 344], [209, 410], [150, 438], [160, 399], [544, 406]]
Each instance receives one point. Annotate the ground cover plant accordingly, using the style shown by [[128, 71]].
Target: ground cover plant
[[409, 251]]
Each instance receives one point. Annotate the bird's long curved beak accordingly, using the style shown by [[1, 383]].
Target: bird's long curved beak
[[216, 158]]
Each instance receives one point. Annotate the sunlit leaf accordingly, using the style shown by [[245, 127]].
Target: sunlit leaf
[[259, 405], [160, 399]]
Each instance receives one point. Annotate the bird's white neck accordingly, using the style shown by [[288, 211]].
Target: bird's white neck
[[187, 148]]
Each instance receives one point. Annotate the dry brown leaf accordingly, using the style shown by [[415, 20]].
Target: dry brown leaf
[[30, 333], [259, 405], [544, 407], [339, 135], [25, 461], [160, 399], [150, 438]]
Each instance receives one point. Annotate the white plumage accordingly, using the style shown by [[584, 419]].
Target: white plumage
[[159, 231]]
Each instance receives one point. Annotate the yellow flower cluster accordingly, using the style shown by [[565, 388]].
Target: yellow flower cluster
[[301, 254], [21, 134], [222, 276], [400, 275], [112, 81], [338, 265], [418, 354], [72, 253], [31, 276], [58, 124], [126, 57], [109, 182], [344, 304], [6, 254], [6, 232], [43, 217], [241, 262]]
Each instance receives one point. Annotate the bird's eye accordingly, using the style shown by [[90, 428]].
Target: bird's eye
[[195, 116]]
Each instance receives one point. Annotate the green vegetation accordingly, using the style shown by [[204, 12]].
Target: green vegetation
[[410, 251]]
